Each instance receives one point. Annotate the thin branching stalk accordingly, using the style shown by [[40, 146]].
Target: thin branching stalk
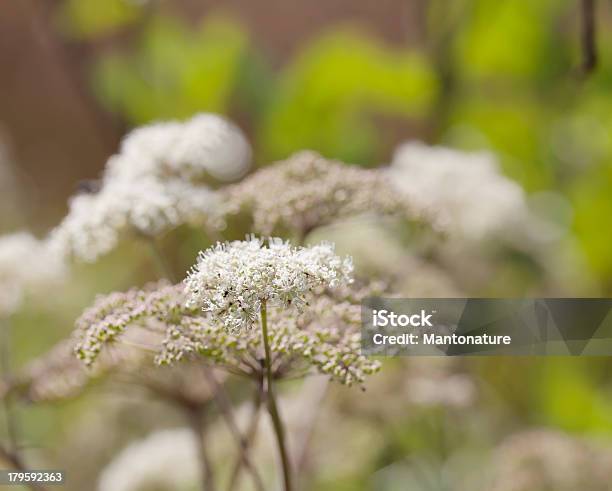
[[225, 407], [12, 427], [249, 439], [589, 47], [219, 394], [160, 260], [196, 423], [277, 423], [310, 418], [17, 464]]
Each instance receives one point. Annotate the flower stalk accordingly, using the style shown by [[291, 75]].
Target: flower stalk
[[197, 427], [160, 260], [277, 424], [11, 418]]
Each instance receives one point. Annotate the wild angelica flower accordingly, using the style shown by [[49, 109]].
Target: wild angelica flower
[[307, 191], [324, 337], [233, 280], [110, 315], [155, 183], [386, 257], [27, 266], [207, 144], [544, 459], [465, 191], [166, 459], [96, 222]]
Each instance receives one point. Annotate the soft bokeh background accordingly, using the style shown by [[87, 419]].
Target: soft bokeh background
[[350, 79]]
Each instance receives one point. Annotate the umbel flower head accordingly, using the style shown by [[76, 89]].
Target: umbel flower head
[[155, 183], [27, 265], [205, 144], [147, 206], [233, 280], [307, 191], [466, 191], [324, 337]]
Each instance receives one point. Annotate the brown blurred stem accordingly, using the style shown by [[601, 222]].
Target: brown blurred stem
[[309, 419], [249, 438], [226, 410], [441, 38], [11, 454], [196, 423], [277, 424], [589, 47], [12, 427], [17, 464]]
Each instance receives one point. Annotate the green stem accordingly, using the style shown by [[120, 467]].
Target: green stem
[[160, 260], [277, 424]]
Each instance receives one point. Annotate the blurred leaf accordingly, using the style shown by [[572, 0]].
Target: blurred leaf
[[512, 40], [593, 215], [571, 398], [512, 129], [328, 91], [175, 72]]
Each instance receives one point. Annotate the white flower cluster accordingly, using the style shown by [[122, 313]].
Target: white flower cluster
[[109, 316], [233, 280], [27, 266], [154, 184], [325, 337], [205, 144], [96, 222], [164, 460], [466, 191], [306, 191]]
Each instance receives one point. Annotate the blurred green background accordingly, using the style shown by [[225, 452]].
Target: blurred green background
[[348, 78]]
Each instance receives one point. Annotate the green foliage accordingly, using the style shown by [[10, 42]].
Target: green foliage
[[330, 95], [511, 40], [175, 71], [593, 209], [513, 129], [571, 397], [582, 146]]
